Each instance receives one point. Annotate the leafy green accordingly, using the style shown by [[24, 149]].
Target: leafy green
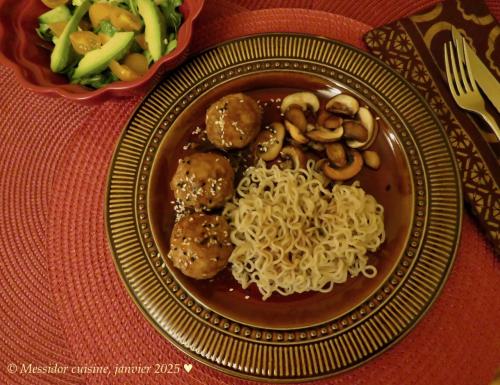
[[133, 6], [172, 44], [135, 47], [149, 57], [106, 27], [130, 5], [172, 15], [98, 80], [45, 32]]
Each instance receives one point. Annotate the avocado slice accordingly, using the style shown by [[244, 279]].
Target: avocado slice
[[62, 50], [56, 15], [154, 27], [97, 60]]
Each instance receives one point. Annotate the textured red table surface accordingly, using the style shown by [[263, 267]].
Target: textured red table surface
[[61, 300]]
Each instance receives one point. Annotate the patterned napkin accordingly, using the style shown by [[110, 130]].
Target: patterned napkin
[[414, 47]]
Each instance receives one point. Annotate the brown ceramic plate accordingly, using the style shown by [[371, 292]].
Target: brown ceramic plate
[[311, 335]]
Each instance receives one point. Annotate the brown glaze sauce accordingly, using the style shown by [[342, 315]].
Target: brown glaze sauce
[[390, 185]]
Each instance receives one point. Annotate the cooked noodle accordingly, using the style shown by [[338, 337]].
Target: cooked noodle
[[292, 234]]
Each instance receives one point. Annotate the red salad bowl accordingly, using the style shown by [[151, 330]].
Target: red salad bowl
[[28, 55]]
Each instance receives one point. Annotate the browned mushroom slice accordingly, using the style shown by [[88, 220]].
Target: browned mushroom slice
[[320, 163], [269, 142], [295, 133], [369, 123], [318, 166], [343, 104], [325, 136], [316, 146], [328, 120], [322, 117], [296, 155], [346, 172], [370, 141], [333, 122], [336, 154], [296, 116], [302, 99], [372, 159], [355, 130]]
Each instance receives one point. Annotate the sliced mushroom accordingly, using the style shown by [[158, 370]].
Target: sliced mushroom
[[325, 136], [320, 163], [372, 159], [296, 155], [295, 133], [355, 130], [296, 116], [322, 116], [318, 166], [336, 154], [343, 104], [370, 124], [333, 122], [316, 146], [327, 120], [302, 99], [346, 172], [366, 118], [269, 142], [369, 142]]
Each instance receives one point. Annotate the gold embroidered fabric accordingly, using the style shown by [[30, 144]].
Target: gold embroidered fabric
[[414, 47]]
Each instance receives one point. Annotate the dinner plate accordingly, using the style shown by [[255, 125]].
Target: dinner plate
[[302, 336]]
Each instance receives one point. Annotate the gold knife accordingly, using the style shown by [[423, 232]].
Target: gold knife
[[488, 83]]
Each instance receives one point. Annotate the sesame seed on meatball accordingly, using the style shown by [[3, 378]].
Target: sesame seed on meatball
[[203, 180], [200, 245], [233, 121]]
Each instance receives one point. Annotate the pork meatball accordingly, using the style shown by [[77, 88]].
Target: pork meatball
[[233, 121], [203, 180], [200, 246]]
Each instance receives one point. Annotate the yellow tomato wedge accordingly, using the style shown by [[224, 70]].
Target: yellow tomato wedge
[[84, 41], [58, 28], [137, 63], [54, 3], [123, 72], [125, 20], [99, 12], [104, 38], [141, 40]]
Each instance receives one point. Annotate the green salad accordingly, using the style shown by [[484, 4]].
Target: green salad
[[97, 42]]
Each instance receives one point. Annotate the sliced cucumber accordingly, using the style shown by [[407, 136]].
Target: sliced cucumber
[[154, 32], [56, 15], [97, 60], [62, 51]]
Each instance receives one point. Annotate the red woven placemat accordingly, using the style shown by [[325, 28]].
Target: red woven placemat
[[61, 299]]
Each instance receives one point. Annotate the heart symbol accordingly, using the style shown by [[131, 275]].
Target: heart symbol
[[188, 367]]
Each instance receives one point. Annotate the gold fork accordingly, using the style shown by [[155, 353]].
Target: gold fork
[[463, 85]]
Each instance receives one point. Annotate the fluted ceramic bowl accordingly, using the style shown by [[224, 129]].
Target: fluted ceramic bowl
[[28, 55]]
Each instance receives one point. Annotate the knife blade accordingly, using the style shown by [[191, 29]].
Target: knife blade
[[488, 83]]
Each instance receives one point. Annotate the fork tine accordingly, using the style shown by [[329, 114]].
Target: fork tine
[[456, 76], [448, 70], [468, 66], [461, 63]]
